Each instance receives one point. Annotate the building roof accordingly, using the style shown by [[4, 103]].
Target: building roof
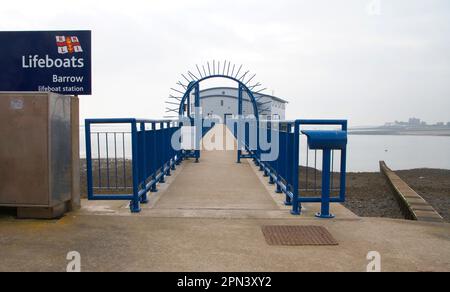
[[258, 94]]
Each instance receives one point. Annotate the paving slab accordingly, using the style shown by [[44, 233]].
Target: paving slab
[[137, 243]]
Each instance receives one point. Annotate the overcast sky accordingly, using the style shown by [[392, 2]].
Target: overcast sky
[[370, 61]]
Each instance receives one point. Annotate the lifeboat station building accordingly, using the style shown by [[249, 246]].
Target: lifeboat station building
[[223, 102]]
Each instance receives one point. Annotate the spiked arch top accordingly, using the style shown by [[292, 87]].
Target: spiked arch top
[[211, 70]]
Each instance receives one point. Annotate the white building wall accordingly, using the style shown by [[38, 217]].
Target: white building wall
[[223, 101]]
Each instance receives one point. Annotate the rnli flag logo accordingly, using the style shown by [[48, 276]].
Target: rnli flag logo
[[68, 45]]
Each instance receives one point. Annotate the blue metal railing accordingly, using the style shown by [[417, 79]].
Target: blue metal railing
[[152, 159], [284, 171]]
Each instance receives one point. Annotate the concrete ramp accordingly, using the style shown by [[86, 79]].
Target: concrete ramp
[[217, 182], [217, 187]]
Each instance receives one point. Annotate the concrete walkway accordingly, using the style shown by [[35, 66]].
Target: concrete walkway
[[217, 182], [208, 217]]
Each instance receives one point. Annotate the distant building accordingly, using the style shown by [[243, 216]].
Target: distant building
[[414, 122], [440, 124], [223, 102]]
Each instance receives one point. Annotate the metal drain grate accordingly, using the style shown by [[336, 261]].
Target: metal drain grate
[[298, 235]]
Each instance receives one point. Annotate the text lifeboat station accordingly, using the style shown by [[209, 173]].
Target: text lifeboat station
[[42, 73]]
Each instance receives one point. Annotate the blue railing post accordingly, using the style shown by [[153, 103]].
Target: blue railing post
[[296, 207], [270, 139], [167, 138], [135, 203], [277, 163], [198, 128], [154, 188], [239, 126], [87, 127], [261, 163], [288, 165], [180, 153], [161, 155], [257, 151], [144, 198], [172, 162], [266, 170]]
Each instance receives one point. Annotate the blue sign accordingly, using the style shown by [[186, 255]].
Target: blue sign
[[54, 61]]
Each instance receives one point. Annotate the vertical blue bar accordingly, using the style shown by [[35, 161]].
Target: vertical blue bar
[[172, 150], [155, 165], [271, 162], [161, 152], [143, 178], [325, 207], [258, 146], [343, 178], [90, 191], [288, 161], [278, 162], [179, 153], [239, 126], [168, 152], [198, 129], [296, 162], [134, 204], [267, 163], [189, 105]]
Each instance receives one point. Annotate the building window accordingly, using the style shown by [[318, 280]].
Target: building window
[[221, 103]]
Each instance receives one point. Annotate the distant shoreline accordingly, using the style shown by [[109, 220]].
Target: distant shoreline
[[385, 132]]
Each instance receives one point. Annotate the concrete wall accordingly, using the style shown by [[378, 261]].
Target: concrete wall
[[413, 205]]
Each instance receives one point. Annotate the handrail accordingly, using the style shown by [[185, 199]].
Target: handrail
[[152, 158], [284, 170]]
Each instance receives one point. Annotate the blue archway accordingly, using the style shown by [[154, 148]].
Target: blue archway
[[194, 82]]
